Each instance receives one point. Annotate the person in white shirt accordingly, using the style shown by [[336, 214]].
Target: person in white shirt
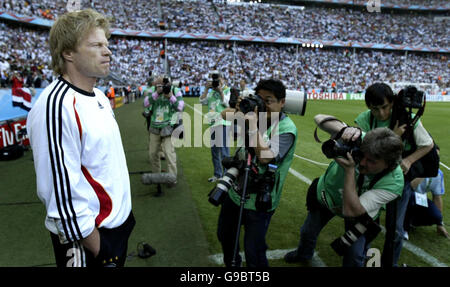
[[81, 171]]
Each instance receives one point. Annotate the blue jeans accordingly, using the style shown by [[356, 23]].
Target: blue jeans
[[310, 230], [417, 215], [402, 205], [219, 148], [255, 225]]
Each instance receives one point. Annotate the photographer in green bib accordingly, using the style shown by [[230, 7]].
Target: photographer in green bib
[[250, 190], [363, 177], [162, 109], [217, 95], [386, 109]]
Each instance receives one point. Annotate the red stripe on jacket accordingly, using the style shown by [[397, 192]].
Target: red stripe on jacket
[[103, 197]]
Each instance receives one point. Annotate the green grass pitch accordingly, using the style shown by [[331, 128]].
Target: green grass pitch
[[181, 224]]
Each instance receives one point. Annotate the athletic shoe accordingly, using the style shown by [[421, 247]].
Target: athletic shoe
[[406, 235]]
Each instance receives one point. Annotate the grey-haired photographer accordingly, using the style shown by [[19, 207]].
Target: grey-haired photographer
[[364, 175]]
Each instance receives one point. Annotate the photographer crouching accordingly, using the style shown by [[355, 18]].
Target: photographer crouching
[[364, 175], [251, 189], [420, 159]]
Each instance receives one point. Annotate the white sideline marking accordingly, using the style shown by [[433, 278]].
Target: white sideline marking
[[448, 168], [420, 252], [300, 176], [423, 254], [312, 161], [316, 259], [271, 255]]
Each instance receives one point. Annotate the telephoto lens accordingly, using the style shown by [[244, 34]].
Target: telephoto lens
[[217, 195], [364, 226]]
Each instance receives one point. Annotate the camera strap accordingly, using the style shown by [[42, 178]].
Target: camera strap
[[419, 112], [372, 183]]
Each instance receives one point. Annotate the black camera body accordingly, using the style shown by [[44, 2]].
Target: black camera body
[[249, 104], [166, 85], [333, 148], [234, 95], [411, 97], [261, 184], [407, 99], [215, 80]]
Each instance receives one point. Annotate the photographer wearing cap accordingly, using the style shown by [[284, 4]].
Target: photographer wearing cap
[[163, 104], [217, 95], [364, 175], [272, 150], [387, 110]]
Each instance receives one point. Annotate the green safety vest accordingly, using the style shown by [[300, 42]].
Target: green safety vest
[[162, 110], [215, 107], [331, 185], [363, 121], [284, 126]]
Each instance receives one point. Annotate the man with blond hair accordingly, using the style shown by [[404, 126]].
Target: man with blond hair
[[81, 171]]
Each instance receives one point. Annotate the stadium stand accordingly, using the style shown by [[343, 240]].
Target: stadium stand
[[351, 69]]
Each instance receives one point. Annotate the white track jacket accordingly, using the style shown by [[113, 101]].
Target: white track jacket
[[81, 171]]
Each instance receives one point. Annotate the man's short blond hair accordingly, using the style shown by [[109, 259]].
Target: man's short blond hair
[[67, 32]]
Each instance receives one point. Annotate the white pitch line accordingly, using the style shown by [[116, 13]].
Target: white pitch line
[[448, 168], [271, 255], [300, 176], [312, 161], [420, 252]]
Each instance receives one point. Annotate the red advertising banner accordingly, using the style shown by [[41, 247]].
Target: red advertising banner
[[9, 133]]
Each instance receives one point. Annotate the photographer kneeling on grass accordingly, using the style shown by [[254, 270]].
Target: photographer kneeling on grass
[[251, 189], [364, 175]]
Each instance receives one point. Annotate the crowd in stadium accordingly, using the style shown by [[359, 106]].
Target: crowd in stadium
[[350, 70], [425, 3], [190, 62], [24, 52], [260, 20]]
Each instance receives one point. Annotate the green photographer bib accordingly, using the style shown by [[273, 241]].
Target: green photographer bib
[[161, 112], [331, 184], [284, 126], [215, 107], [363, 121]]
